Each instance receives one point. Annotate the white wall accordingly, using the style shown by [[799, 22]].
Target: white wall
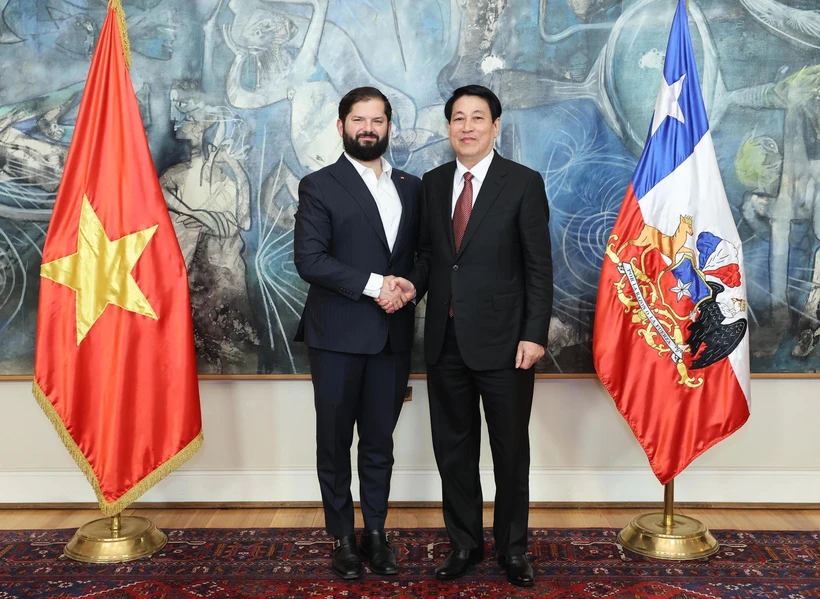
[[259, 446]]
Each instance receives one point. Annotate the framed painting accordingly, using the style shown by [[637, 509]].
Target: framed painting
[[239, 101]]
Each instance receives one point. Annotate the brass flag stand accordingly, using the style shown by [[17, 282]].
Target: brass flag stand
[[115, 539], [666, 535]]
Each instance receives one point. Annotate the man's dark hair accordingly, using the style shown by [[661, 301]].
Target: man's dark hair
[[474, 90], [361, 94]]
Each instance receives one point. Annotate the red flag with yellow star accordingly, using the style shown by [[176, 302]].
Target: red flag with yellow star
[[114, 368]]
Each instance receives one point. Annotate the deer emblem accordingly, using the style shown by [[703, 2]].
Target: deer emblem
[[668, 245]]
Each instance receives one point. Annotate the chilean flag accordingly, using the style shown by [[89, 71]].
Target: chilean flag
[[671, 339]]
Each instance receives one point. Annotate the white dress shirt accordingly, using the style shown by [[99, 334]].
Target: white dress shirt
[[387, 200], [479, 172]]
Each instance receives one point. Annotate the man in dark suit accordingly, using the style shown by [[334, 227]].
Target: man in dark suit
[[356, 228], [484, 261]]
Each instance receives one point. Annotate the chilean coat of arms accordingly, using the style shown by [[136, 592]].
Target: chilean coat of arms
[[685, 303]]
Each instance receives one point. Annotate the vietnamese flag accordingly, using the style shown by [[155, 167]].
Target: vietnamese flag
[[115, 369]]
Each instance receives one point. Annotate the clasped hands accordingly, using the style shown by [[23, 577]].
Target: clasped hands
[[395, 293]]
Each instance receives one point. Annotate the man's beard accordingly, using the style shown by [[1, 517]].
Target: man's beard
[[365, 153]]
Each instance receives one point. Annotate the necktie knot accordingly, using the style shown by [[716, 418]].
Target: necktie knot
[[468, 176]]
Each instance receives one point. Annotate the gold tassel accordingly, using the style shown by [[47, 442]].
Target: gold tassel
[[126, 45], [114, 508]]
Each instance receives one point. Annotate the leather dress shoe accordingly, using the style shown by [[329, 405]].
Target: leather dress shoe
[[458, 563], [518, 569], [347, 562], [376, 549]]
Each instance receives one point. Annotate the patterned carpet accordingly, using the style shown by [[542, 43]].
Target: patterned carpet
[[267, 564]]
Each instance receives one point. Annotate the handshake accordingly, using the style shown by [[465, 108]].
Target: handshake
[[395, 293]]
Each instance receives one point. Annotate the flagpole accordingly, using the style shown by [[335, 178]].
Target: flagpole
[[666, 535], [669, 504]]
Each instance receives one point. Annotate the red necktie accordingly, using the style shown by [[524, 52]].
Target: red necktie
[[464, 206], [461, 215]]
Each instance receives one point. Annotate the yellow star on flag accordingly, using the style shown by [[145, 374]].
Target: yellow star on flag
[[100, 271]]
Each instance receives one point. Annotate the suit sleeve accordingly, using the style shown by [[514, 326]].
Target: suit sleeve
[[420, 275], [535, 239], [311, 242]]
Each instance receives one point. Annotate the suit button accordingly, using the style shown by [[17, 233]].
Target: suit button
[[455, 267], [390, 264], [446, 302]]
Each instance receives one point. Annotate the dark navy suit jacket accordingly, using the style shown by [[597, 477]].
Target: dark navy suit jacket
[[339, 241]]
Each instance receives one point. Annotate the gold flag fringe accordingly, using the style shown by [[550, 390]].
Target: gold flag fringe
[[126, 45], [115, 507]]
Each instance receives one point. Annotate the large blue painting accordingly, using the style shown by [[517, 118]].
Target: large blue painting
[[239, 101]]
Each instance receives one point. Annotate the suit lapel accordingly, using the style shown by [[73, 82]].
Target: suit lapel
[[447, 203], [490, 189], [345, 173], [401, 187]]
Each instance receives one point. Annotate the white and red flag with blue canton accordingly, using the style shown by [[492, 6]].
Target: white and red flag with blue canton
[[671, 339]]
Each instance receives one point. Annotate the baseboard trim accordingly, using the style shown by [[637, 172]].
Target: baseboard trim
[[548, 487]]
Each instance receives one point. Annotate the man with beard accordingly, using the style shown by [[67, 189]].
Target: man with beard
[[356, 229]]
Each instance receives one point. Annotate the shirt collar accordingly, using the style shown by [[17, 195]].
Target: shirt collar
[[479, 171], [361, 169]]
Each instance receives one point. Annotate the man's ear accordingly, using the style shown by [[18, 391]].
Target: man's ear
[[340, 127]]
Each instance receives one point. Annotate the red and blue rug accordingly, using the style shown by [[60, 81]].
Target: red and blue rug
[[272, 563]]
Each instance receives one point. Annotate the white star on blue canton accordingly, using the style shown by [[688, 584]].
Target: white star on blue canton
[[667, 103], [681, 289]]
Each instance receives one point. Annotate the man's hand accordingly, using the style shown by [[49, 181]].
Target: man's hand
[[390, 298], [396, 292], [405, 286], [528, 354]]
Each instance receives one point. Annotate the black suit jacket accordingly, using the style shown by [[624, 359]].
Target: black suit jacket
[[501, 279], [338, 241]]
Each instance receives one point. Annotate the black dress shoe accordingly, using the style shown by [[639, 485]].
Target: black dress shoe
[[347, 562], [518, 569], [376, 549], [458, 563]]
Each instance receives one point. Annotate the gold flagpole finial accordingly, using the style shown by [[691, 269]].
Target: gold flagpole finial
[[126, 45]]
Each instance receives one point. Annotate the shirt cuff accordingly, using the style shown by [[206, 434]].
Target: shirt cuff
[[374, 285]]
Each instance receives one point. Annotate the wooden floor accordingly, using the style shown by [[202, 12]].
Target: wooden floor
[[743, 519]]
